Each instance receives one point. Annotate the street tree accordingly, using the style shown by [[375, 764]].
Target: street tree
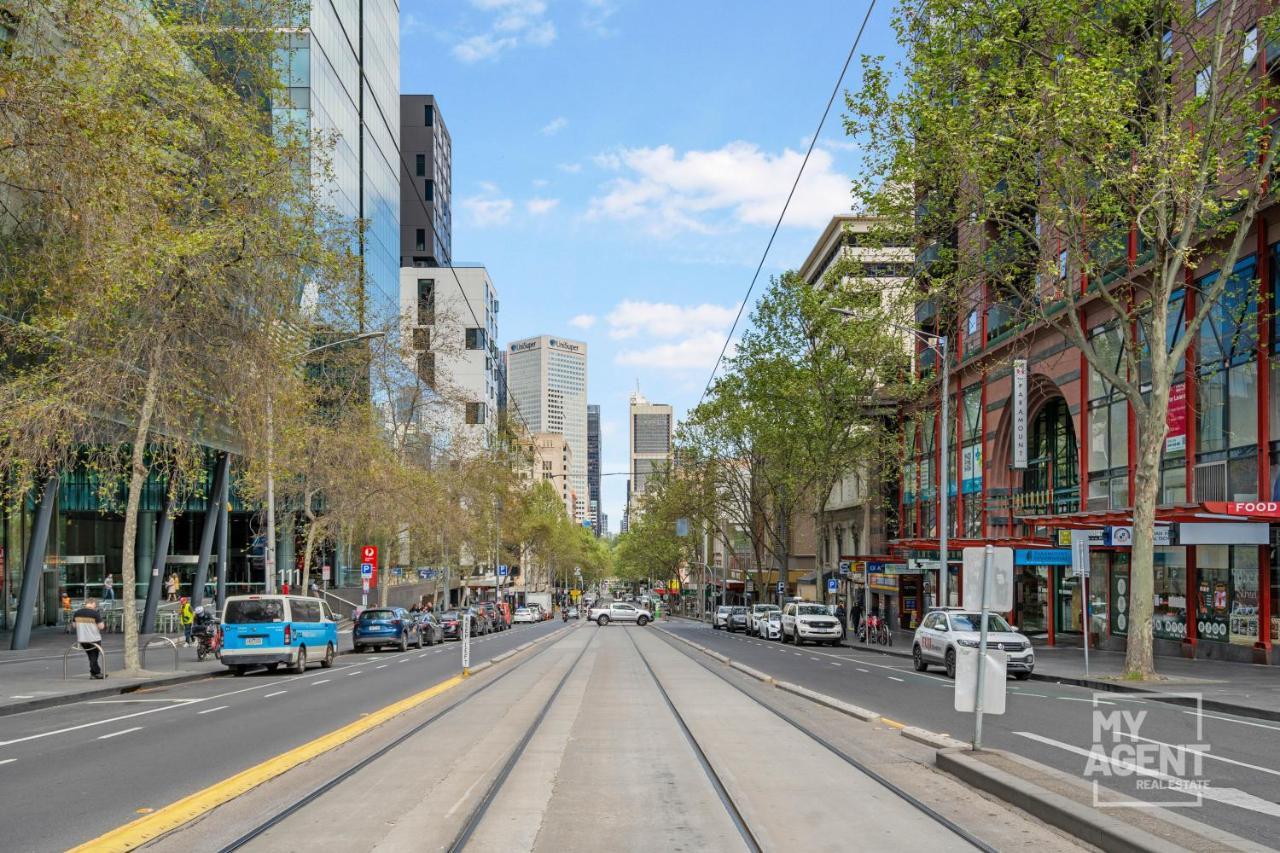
[[1085, 163]]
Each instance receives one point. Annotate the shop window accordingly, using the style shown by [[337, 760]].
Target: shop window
[[1120, 594], [1170, 591], [1226, 595]]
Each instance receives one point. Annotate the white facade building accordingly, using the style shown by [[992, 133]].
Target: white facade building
[[451, 319], [547, 390]]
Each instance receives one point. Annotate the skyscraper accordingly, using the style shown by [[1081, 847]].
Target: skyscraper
[[651, 426], [426, 187], [593, 469], [547, 390]]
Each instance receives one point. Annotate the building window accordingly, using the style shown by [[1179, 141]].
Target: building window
[[475, 413], [1204, 81], [420, 239], [426, 301], [1051, 483], [427, 369], [1108, 424], [475, 338], [420, 165], [1249, 50], [429, 115], [431, 190]]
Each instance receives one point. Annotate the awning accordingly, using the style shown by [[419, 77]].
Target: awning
[[931, 544], [1256, 511]]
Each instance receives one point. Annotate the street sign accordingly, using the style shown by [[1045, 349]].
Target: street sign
[[466, 645], [877, 567], [922, 566], [1080, 556], [845, 567], [369, 554], [364, 586], [994, 676], [366, 570], [426, 574], [502, 571], [397, 571], [325, 571], [832, 584], [682, 527], [999, 582], [782, 588]]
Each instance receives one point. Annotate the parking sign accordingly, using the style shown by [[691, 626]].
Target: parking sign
[[782, 588], [502, 571], [832, 585], [366, 570]]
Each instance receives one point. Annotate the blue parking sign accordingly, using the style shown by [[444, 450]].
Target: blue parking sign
[[832, 584], [782, 588], [502, 571], [366, 570]]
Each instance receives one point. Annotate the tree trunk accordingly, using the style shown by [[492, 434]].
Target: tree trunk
[[310, 541], [1139, 654], [137, 479], [384, 582]]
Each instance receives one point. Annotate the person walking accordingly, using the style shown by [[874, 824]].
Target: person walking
[[108, 588], [89, 625], [840, 614], [171, 587], [315, 589], [186, 617]]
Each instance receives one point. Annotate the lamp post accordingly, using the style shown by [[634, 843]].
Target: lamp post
[[270, 552], [939, 342]]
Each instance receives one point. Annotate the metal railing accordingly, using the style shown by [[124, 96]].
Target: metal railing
[[155, 640], [76, 647]]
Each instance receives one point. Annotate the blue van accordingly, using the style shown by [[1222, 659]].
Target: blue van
[[270, 630]]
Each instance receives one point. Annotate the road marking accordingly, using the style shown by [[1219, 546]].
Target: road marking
[[22, 697], [1201, 752], [211, 710], [1022, 693], [122, 732], [357, 672], [895, 678], [401, 660], [836, 663], [797, 654], [815, 659], [893, 723], [129, 701], [383, 666], [860, 669], [97, 723], [277, 693], [1090, 701], [321, 681], [7, 760], [1230, 796], [424, 654], [140, 831], [1211, 717]]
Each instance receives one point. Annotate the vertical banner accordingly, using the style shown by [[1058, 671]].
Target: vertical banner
[[466, 641], [1176, 418], [1019, 413]]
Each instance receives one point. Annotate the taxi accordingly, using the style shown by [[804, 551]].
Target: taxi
[[941, 631]]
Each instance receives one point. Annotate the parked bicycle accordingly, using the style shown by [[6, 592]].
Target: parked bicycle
[[878, 628]]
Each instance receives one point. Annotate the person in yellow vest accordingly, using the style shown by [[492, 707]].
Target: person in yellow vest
[[186, 617]]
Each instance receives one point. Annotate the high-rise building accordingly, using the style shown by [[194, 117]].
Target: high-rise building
[[551, 459], [651, 430], [593, 468], [451, 321], [547, 390], [342, 73], [426, 187]]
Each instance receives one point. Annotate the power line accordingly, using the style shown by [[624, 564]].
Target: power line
[[812, 142]]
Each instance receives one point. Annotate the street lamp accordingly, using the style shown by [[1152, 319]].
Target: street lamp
[[944, 477], [270, 562]]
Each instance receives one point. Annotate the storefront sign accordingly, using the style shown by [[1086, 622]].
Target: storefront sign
[[1264, 509], [1224, 533], [889, 568], [1065, 537], [1176, 419], [1042, 557], [888, 583], [1020, 413], [922, 566]]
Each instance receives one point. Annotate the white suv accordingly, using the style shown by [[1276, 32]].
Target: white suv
[[805, 620], [942, 630]]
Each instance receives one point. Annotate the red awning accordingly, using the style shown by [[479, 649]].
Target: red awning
[[1264, 511], [931, 544]]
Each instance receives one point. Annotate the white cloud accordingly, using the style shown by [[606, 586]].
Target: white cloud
[[706, 192], [571, 168], [489, 208], [695, 353], [541, 206], [512, 23], [540, 182], [583, 321], [595, 17], [664, 320], [554, 126]]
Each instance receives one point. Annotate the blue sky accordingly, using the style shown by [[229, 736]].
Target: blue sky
[[618, 165]]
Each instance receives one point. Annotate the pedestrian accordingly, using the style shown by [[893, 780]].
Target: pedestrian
[[186, 616], [65, 601], [315, 589], [171, 587], [840, 614], [857, 616], [108, 588], [284, 588], [89, 625]]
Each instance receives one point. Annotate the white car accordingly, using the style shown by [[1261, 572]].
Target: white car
[[523, 614], [769, 625], [720, 618], [806, 621], [756, 611], [942, 630], [621, 611]]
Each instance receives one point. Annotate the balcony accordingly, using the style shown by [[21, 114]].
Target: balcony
[[1046, 501]]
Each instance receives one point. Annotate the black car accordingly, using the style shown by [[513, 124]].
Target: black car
[[451, 625], [379, 627], [430, 628]]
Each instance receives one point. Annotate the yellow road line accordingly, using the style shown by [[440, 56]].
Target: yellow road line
[[138, 832], [893, 723]]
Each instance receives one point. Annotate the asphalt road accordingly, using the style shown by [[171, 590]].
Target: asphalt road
[[69, 773], [1051, 723]]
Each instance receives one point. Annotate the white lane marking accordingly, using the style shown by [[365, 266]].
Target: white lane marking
[[383, 666], [1090, 701], [277, 693], [1202, 753], [321, 681], [20, 697], [1212, 717], [860, 669], [357, 672], [1023, 693], [402, 660], [1230, 796], [122, 732], [129, 701], [424, 654], [895, 678], [821, 661], [211, 710], [797, 654], [7, 760], [98, 723], [837, 663]]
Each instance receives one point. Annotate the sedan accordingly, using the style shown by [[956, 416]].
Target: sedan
[[720, 619], [737, 619], [379, 627], [523, 615], [942, 631], [451, 624], [769, 625], [430, 628]]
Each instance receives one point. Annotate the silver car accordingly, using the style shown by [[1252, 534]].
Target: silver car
[[621, 611], [769, 625], [942, 630], [720, 618]]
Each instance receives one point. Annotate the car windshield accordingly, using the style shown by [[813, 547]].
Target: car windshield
[[774, 616], [812, 610], [375, 615], [738, 611], [766, 608], [969, 622], [248, 611], [522, 610], [452, 616]]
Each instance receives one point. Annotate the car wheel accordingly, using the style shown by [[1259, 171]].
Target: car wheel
[[918, 661], [642, 621], [951, 663], [404, 642], [1022, 676], [419, 640], [301, 665], [239, 669], [328, 657], [272, 667], [602, 621], [783, 636]]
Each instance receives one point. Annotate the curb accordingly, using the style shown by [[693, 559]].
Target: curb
[[754, 673], [933, 739], [832, 703], [73, 698]]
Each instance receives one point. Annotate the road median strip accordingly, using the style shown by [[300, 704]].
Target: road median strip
[[177, 814]]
